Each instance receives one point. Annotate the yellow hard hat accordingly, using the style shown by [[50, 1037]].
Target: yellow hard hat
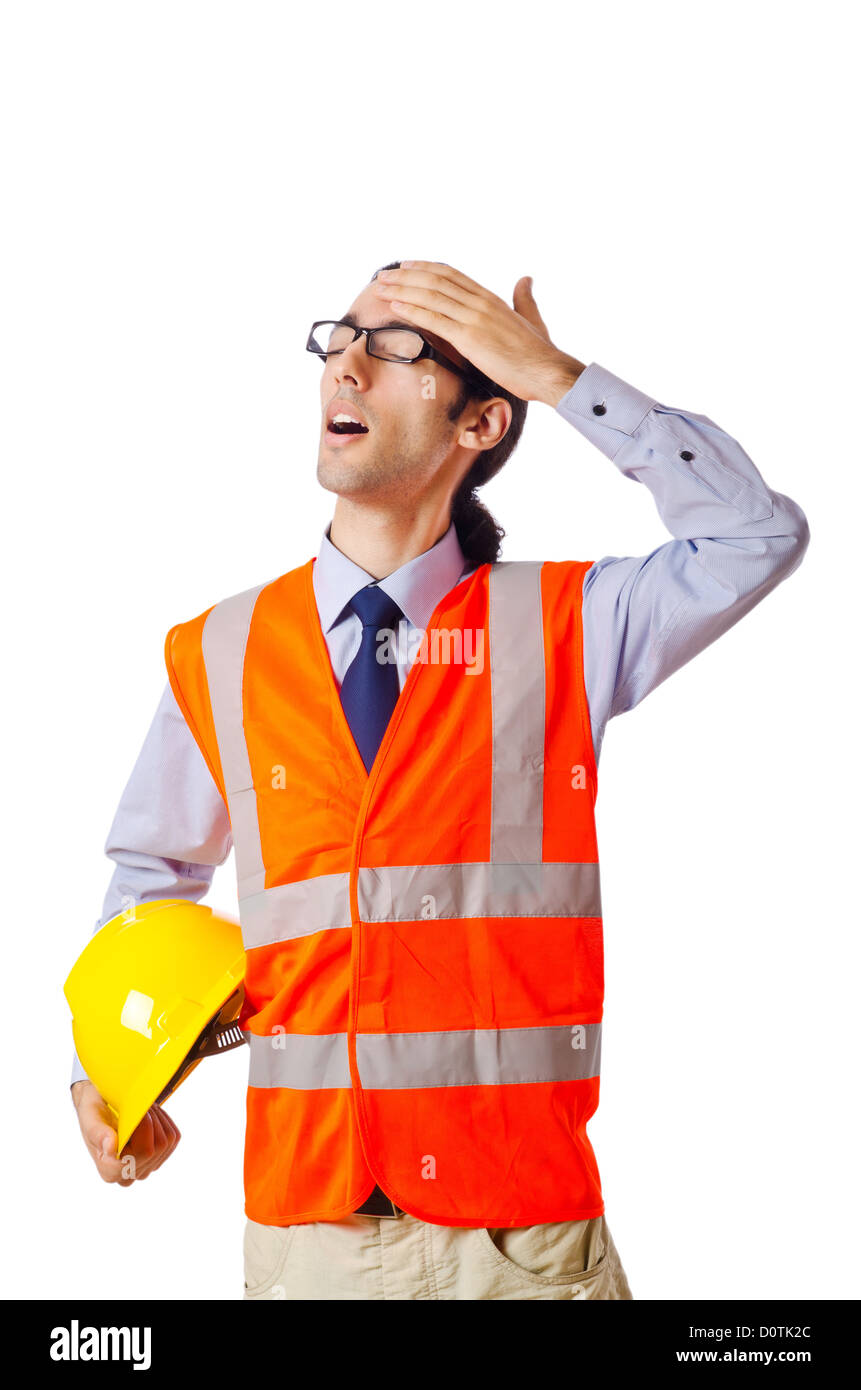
[[157, 988]]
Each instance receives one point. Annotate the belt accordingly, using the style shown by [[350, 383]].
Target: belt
[[378, 1204]]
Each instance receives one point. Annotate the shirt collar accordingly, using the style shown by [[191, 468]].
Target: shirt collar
[[416, 587]]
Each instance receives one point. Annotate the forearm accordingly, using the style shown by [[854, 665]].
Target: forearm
[[704, 485], [735, 540]]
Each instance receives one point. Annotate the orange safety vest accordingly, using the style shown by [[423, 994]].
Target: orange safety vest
[[424, 942]]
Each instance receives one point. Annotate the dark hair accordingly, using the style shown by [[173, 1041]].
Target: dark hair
[[479, 533]]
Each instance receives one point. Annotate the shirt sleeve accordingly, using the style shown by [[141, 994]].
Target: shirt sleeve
[[735, 540], [171, 829]]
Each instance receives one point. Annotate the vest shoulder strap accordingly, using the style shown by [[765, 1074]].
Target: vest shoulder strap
[[187, 675], [184, 654]]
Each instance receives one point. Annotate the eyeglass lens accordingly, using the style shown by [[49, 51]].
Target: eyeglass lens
[[393, 344]]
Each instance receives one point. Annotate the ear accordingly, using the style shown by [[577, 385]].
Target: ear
[[491, 421]]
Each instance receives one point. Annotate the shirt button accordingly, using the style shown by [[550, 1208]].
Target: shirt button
[[686, 455], [599, 410]]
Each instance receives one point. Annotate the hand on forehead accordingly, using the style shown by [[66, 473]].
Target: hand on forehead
[[371, 310]]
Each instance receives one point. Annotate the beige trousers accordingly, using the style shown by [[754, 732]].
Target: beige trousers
[[367, 1257]]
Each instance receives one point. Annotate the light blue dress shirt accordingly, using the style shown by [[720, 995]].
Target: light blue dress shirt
[[643, 617]]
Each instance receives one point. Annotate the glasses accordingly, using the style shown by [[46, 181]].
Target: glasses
[[329, 337]]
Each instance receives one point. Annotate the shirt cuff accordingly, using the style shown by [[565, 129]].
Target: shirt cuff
[[604, 408], [78, 1073]]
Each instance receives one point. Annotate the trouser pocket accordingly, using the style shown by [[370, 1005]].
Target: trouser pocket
[[559, 1259], [265, 1251]]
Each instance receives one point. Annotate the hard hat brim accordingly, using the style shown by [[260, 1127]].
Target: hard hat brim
[[152, 1082], [146, 987]]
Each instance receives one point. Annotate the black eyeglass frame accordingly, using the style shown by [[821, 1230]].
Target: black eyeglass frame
[[474, 378]]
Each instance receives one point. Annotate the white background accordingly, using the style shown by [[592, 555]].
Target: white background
[[186, 187]]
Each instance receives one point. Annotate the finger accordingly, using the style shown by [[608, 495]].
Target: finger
[[406, 281], [431, 322], [152, 1140], [100, 1137], [151, 1148], [140, 1147], [170, 1124], [166, 1141], [432, 299], [97, 1127], [447, 272], [110, 1166], [524, 303], [448, 320]]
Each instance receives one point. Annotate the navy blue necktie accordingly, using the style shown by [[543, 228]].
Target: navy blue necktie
[[370, 688], [369, 693]]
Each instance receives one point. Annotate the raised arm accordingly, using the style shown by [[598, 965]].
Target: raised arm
[[645, 616]]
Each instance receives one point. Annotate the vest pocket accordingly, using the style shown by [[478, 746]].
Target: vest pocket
[[264, 1251], [558, 1253]]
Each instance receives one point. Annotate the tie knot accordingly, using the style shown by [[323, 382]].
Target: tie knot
[[375, 608]]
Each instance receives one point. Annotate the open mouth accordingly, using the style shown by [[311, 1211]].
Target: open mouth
[[343, 424]]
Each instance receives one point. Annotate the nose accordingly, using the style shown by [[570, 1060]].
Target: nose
[[353, 364]]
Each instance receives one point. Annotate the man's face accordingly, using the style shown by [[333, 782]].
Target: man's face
[[404, 405]]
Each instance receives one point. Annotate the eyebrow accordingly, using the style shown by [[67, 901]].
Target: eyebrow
[[389, 323]]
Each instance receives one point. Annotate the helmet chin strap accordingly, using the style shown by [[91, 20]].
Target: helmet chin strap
[[221, 1034], [221, 1038]]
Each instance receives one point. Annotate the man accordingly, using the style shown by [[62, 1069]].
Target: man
[[400, 739]]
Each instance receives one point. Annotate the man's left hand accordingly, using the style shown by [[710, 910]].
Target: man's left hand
[[510, 346]]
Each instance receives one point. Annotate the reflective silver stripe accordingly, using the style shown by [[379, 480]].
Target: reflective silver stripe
[[295, 909], [516, 641], [412, 892], [225, 635], [408, 1061], [480, 1057], [299, 1061]]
